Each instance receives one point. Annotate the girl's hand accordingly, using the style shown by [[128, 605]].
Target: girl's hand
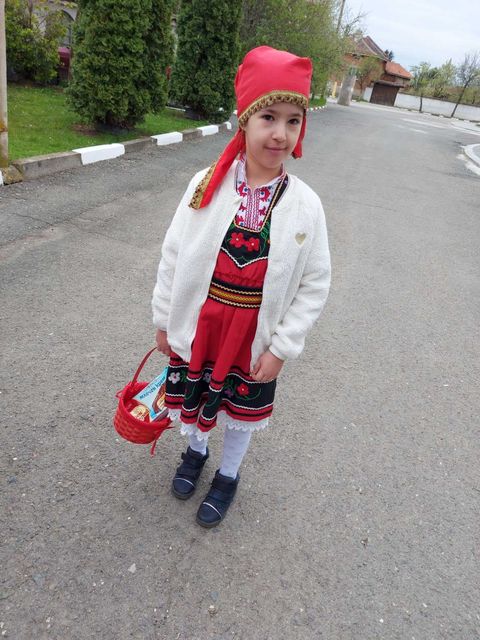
[[266, 368], [162, 343]]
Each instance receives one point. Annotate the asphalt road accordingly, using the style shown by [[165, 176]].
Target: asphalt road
[[357, 516]]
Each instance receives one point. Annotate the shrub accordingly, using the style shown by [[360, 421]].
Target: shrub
[[207, 57], [159, 53], [32, 40], [121, 50]]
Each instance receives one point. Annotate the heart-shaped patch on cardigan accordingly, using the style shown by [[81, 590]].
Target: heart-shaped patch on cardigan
[[300, 237]]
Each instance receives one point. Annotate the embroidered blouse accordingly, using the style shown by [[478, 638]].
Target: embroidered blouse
[[254, 205]]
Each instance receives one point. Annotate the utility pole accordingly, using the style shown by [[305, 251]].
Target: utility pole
[[340, 15], [339, 24], [3, 91]]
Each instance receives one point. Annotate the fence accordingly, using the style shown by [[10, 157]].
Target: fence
[[430, 105]]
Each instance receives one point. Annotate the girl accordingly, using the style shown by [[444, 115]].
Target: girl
[[245, 271]]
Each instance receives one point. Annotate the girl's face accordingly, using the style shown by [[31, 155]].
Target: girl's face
[[271, 135]]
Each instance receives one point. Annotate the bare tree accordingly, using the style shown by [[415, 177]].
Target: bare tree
[[350, 24], [475, 92], [423, 75], [467, 73]]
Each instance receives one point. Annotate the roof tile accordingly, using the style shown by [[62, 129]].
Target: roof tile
[[395, 69]]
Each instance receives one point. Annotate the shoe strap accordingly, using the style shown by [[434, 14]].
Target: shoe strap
[[190, 467], [217, 495], [225, 486], [195, 463], [187, 472]]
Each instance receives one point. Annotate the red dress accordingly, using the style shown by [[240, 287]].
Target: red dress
[[216, 383]]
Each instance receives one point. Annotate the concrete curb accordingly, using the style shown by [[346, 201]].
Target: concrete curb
[[168, 138], [472, 151], [39, 166], [100, 152], [132, 146]]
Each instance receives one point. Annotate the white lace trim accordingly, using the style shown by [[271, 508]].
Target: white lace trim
[[223, 420], [174, 415]]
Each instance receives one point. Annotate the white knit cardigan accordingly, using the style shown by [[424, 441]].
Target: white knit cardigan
[[296, 282]]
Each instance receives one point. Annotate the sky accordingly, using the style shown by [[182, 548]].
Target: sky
[[421, 30]]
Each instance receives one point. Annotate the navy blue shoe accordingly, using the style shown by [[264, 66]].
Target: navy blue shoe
[[215, 506], [185, 481]]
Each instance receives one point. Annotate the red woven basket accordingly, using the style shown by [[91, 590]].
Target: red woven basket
[[128, 426]]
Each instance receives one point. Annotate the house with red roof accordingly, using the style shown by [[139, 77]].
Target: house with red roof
[[384, 90], [378, 78]]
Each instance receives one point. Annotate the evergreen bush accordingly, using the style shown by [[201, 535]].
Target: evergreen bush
[[32, 40], [207, 57], [118, 67], [159, 52]]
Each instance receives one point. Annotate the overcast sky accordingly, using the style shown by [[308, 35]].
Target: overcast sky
[[416, 30]]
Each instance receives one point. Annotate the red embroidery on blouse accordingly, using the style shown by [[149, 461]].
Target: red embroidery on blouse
[[254, 205]]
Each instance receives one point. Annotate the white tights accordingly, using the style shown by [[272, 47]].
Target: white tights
[[235, 445]]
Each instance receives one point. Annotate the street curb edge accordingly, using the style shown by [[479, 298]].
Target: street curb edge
[[471, 154], [40, 166]]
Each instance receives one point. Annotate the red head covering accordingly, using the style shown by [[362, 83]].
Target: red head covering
[[265, 76]]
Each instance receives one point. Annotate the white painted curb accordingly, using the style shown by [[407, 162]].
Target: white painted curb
[[100, 152], [208, 130], [97, 153], [469, 151], [168, 138]]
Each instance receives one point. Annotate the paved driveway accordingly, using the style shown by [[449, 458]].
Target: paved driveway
[[357, 516]]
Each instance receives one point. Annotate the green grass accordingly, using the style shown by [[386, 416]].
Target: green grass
[[317, 102], [40, 122]]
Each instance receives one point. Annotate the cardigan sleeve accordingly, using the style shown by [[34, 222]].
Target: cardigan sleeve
[[289, 338], [163, 287]]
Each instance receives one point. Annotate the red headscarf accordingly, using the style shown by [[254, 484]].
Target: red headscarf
[[265, 76]]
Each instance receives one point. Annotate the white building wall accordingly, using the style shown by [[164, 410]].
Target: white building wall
[[367, 94], [438, 107]]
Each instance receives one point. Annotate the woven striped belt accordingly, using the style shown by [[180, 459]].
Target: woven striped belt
[[234, 295]]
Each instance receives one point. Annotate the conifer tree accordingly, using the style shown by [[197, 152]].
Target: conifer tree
[[120, 52], [159, 52], [207, 57], [32, 36]]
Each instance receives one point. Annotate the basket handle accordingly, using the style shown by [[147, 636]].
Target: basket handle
[[142, 364]]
